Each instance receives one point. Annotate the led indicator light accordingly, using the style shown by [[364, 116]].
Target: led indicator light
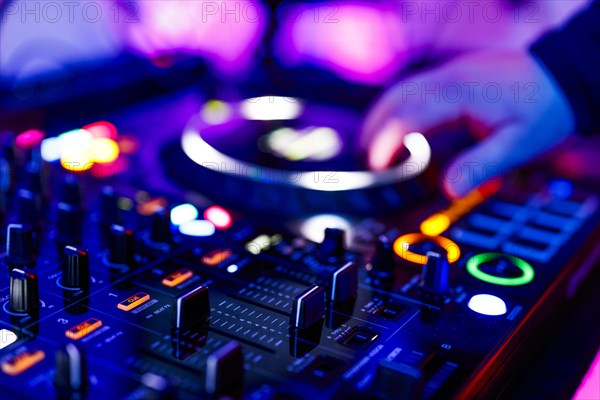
[[401, 247], [475, 262], [83, 329], [134, 301], [487, 304], [177, 277]]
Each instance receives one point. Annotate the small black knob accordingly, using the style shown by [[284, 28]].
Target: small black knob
[[161, 227], [225, 371], [334, 243], [68, 224], [71, 370], [383, 263], [28, 206], [24, 296], [76, 268], [110, 213], [309, 307], [70, 193], [31, 177], [191, 309], [435, 279], [20, 247], [121, 246]]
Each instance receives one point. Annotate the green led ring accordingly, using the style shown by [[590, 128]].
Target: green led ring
[[475, 261]]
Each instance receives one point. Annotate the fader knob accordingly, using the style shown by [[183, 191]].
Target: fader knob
[[382, 264], [20, 249], [309, 307], [191, 309], [435, 279], [161, 227], [76, 268], [225, 371], [68, 224], [121, 246], [24, 296], [71, 370], [333, 245]]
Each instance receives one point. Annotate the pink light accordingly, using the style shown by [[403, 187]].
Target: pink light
[[226, 33], [218, 216], [590, 386], [102, 129], [360, 41], [29, 139]]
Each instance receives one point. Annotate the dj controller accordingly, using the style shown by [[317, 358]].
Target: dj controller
[[112, 289]]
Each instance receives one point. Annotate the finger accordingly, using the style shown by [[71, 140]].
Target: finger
[[502, 151], [410, 106]]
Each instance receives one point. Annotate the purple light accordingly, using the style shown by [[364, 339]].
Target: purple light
[[360, 41], [590, 386], [226, 33]]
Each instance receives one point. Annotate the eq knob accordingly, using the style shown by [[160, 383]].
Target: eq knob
[[109, 208], [24, 296], [161, 227], [28, 204], [435, 279], [70, 192], [20, 248], [333, 244], [76, 268], [121, 246], [71, 371], [68, 224], [382, 264]]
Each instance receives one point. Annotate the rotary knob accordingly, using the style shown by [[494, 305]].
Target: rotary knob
[[161, 227], [20, 248], [334, 243], [121, 246], [76, 268], [24, 296]]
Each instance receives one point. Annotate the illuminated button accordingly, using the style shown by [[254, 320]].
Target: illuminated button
[[183, 213], [475, 262], [7, 337], [197, 228], [22, 362], [83, 329], [487, 304], [216, 257], [401, 247], [177, 277], [134, 301], [219, 217]]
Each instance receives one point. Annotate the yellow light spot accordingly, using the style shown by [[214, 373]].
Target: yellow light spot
[[77, 160], [105, 150], [435, 224], [215, 112], [401, 247], [125, 203]]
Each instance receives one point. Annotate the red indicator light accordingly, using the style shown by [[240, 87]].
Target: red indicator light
[[218, 216]]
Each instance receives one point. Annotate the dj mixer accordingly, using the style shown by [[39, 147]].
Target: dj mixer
[[116, 290]]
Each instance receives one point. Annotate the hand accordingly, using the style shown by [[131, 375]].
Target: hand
[[508, 98]]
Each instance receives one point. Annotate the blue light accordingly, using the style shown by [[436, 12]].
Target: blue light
[[197, 228], [232, 268], [183, 213], [560, 188], [487, 304]]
